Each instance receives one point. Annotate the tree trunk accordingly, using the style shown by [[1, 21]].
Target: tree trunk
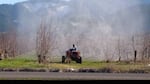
[[39, 59]]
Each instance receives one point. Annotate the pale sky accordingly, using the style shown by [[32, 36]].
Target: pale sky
[[15, 1], [10, 1]]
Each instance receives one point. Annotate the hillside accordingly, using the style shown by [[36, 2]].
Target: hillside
[[7, 17], [21, 14]]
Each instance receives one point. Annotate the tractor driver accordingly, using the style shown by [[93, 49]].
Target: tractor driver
[[74, 48]]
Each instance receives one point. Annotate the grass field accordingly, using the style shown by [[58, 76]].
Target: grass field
[[27, 62]]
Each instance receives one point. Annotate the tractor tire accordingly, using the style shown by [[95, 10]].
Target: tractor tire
[[79, 60], [63, 59]]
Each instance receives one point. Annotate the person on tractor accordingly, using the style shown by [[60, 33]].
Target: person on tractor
[[74, 48], [72, 54]]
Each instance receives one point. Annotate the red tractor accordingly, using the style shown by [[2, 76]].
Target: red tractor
[[72, 55]]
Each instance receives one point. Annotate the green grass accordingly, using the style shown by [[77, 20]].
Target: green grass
[[100, 65], [19, 63], [30, 61]]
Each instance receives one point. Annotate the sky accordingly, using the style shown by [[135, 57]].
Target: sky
[[15, 1], [10, 1]]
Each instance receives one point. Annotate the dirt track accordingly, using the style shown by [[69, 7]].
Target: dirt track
[[73, 76]]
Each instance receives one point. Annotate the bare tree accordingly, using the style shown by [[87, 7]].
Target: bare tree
[[146, 47], [134, 50], [8, 41], [119, 49], [3, 43], [44, 41], [13, 43]]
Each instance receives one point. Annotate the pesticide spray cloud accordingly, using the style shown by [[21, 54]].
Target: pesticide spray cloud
[[93, 25]]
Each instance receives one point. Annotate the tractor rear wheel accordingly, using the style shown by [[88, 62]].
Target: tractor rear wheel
[[63, 59]]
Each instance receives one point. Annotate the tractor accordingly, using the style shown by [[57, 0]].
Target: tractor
[[72, 56]]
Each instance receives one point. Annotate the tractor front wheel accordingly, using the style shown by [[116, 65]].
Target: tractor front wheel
[[79, 60]]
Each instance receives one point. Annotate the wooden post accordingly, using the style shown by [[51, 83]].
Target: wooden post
[[0, 56], [135, 55]]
